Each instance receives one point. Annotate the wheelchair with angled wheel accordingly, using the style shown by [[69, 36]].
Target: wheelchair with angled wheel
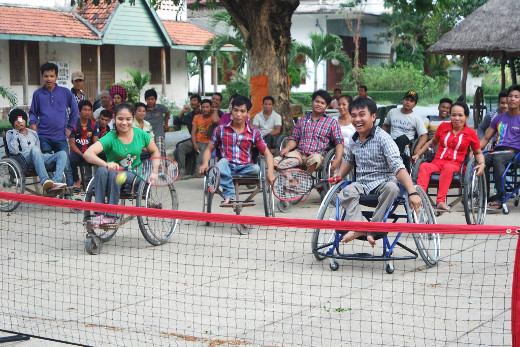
[[326, 243], [510, 183], [466, 187], [156, 230], [247, 187]]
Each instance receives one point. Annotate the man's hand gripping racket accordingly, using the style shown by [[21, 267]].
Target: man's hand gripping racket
[[294, 184]]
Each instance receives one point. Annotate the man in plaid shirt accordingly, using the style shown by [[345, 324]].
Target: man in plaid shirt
[[235, 141], [313, 134]]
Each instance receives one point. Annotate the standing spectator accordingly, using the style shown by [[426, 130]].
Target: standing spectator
[[106, 104], [77, 86], [86, 133], [345, 120], [104, 119], [216, 101], [48, 115], [185, 117], [268, 122], [335, 99], [362, 93], [141, 123], [158, 116], [118, 95]]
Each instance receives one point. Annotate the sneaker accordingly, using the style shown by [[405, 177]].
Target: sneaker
[[97, 220], [108, 220], [49, 184], [59, 185]]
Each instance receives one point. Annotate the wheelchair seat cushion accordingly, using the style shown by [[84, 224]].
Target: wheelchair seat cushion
[[369, 200], [239, 176], [456, 177]]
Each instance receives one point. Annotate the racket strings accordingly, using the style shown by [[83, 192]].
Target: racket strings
[[166, 171], [292, 184]]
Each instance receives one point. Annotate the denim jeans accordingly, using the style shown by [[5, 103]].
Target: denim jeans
[[51, 145], [37, 160], [226, 179], [105, 184]]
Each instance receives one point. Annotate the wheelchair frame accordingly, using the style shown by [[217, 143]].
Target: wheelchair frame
[[326, 243], [511, 183], [255, 184], [155, 230]]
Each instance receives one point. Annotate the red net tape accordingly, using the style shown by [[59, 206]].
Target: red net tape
[[267, 221]]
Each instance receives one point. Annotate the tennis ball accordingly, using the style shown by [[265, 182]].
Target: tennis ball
[[121, 178]]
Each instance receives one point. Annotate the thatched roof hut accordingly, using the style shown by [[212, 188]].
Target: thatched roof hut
[[492, 30]]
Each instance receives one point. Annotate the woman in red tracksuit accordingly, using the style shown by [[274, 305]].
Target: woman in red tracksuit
[[453, 139]]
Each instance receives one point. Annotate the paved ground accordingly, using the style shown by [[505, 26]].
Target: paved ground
[[209, 285]]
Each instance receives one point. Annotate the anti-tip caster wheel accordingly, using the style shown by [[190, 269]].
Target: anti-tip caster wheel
[[283, 206], [334, 265], [93, 244], [389, 267], [242, 229]]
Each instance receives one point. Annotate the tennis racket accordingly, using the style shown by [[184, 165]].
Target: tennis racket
[[213, 179], [288, 163], [157, 171], [294, 184]]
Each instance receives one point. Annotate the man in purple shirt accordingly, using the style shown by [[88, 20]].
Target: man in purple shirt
[[49, 116]]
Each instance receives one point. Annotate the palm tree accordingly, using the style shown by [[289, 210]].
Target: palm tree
[[297, 69], [322, 48], [9, 95], [197, 61], [138, 79]]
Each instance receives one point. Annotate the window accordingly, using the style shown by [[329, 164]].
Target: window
[[154, 58], [16, 62]]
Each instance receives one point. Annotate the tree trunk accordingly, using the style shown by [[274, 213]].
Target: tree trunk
[[513, 70], [266, 27], [503, 72]]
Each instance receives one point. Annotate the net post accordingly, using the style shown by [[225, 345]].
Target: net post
[[515, 300]]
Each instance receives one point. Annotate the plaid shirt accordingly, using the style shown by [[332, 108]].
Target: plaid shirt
[[76, 97], [315, 136], [237, 148]]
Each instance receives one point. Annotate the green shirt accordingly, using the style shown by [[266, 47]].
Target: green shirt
[[125, 155]]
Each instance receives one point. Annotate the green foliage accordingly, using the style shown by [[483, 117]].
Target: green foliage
[[402, 76], [239, 84], [8, 94], [172, 106], [297, 70], [492, 79], [138, 80], [409, 54], [303, 99], [131, 91]]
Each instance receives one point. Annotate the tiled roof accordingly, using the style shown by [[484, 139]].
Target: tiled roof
[[183, 33], [97, 15], [28, 21]]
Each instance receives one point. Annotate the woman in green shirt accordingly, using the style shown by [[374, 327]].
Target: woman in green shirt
[[122, 147]]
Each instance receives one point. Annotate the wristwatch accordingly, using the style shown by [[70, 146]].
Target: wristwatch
[[414, 193]]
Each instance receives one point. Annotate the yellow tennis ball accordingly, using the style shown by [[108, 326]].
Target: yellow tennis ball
[[121, 178]]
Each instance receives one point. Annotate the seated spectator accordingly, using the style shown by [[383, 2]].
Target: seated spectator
[[403, 124], [235, 141], [507, 127], [433, 122], [199, 139], [268, 122], [345, 120], [105, 122], [335, 99], [24, 141], [486, 122], [118, 95], [313, 134], [140, 122], [185, 117], [454, 140], [86, 133], [158, 116], [122, 148], [362, 93], [378, 169], [106, 104]]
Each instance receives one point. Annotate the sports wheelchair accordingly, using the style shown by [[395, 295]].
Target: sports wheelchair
[[321, 173], [254, 184], [156, 230], [326, 243], [511, 183], [469, 188], [14, 175]]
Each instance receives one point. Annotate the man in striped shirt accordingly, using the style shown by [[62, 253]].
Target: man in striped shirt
[[313, 134], [378, 169]]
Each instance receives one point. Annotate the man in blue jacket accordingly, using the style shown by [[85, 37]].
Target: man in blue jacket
[[49, 115]]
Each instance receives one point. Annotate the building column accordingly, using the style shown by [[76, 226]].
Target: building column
[[98, 51], [163, 70], [25, 75]]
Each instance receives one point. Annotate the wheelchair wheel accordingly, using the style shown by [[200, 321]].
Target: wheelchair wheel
[[475, 195], [93, 245], [12, 180], [326, 172], [267, 192], [157, 230], [283, 206], [428, 244], [104, 235], [324, 238]]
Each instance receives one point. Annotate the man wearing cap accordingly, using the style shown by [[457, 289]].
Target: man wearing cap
[[53, 115], [77, 86], [21, 140], [403, 124]]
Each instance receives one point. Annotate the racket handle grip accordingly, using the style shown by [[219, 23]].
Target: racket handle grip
[[334, 179], [119, 168]]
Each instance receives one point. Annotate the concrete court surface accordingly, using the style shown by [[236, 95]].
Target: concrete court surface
[[209, 285]]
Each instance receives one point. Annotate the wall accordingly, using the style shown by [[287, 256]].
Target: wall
[[60, 5]]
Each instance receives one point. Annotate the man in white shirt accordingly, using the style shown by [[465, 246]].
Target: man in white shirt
[[268, 122]]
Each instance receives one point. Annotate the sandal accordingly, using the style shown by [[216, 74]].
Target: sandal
[[494, 205]]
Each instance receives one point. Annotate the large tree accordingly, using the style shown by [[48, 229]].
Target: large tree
[[266, 28]]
